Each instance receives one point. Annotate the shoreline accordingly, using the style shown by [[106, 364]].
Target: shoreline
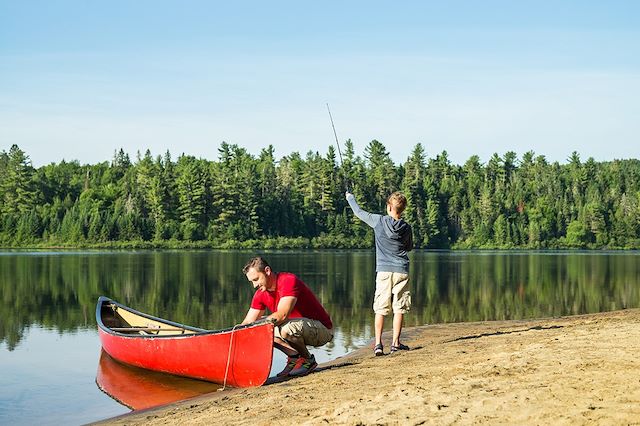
[[565, 370]]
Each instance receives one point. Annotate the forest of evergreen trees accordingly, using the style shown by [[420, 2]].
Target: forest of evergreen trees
[[244, 201]]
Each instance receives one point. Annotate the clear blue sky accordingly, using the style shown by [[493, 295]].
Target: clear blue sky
[[81, 79]]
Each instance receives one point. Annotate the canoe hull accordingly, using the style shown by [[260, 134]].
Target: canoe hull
[[238, 357]]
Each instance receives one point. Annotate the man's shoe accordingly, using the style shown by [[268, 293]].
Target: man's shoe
[[378, 350], [306, 366], [292, 362]]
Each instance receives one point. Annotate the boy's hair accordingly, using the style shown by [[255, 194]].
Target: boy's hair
[[257, 262], [397, 201]]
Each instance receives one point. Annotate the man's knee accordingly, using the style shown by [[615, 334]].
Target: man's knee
[[291, 329], [306, 331], [284, 334]]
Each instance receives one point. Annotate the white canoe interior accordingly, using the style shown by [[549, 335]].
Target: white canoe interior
[[123, 321]]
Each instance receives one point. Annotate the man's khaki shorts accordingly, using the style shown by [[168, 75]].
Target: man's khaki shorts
[[313, 332], [392, 291]]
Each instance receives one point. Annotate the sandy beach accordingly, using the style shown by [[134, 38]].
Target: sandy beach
[[570, 370]]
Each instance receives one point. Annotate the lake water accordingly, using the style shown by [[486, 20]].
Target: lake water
[[50, 354]]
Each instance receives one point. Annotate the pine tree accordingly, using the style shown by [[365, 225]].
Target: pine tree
[[17, 190]]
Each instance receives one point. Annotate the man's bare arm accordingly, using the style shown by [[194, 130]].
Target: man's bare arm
[[252, 315], [285, 306]]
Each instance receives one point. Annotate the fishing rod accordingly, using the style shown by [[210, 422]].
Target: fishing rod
[[346, 184], [335, 134]]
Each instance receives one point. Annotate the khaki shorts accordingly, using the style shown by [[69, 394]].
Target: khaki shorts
[[392, 291], [313, 332]]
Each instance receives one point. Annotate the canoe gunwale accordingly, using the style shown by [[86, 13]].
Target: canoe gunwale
[[103, 300]]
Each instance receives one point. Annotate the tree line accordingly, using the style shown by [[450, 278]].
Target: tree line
[[244, 201]]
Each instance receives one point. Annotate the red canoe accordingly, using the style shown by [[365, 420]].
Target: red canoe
[[240, 356]]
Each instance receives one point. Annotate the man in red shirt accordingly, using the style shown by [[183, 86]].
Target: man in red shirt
[[299, 317]]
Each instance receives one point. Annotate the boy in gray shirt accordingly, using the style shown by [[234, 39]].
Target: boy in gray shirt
[[393, 239]]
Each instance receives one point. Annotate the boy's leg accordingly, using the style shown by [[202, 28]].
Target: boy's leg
[[378, 326], [381, 302], [401, 304], [397, 328]]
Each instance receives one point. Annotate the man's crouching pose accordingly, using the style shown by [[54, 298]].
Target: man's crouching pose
[[299, 317]]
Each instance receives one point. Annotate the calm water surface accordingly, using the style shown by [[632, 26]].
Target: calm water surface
[[50, 353]]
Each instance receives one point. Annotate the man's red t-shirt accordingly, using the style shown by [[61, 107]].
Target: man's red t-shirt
[[287, 284]]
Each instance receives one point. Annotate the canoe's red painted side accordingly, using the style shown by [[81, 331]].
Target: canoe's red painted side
[[244, 354]]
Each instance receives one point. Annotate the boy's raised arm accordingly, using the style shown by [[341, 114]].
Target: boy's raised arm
[[368, 218]]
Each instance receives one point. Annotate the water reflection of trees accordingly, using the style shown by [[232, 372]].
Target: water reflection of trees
[[488, 286], [207, 288]]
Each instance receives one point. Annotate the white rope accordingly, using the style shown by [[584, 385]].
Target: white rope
[[226, 371]]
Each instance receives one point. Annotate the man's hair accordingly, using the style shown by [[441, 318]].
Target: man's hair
[[257, 262], [397, 201]]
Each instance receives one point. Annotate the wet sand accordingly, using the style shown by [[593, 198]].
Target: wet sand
[[570, 370]]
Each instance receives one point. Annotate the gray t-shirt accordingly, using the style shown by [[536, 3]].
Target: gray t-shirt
[[393, 239]]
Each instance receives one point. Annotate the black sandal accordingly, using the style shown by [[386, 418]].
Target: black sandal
[[378, 350], [399, 347]]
